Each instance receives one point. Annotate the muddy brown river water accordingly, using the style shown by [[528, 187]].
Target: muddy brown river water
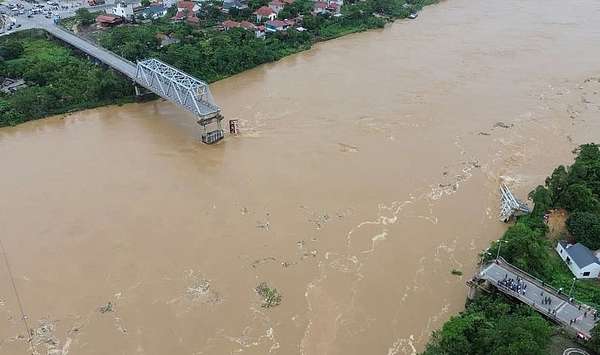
[[367, 169]]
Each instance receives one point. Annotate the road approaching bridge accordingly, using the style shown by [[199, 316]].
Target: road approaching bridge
[[168, 82], [571, 314]]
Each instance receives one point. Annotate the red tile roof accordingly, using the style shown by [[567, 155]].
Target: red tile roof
[[247, 25], [188, 5], [320, 5], [264, 11], [230, 24], [276, 23], [110, 19]]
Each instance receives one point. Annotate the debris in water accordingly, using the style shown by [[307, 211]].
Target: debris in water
[[484, 134], [106, 308], [257, 262], [44, 334], [347, 148], [503, 125], [271, 296], [264, 225]]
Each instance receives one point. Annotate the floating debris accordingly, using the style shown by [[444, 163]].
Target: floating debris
[[503, 125], [257, 262], [484, 134], [106, 308], [271, 296], [44, 334], [201, 290]]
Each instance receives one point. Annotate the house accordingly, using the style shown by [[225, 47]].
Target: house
[[276, 25], [237, 4], [186, 10], [123, 10], [265, 13], [190, 7], [319, 7], [249, 26], [108, 20], [333, 8], [276, 5], [154, 12], [229, 24], [581, 261], [259, 31]]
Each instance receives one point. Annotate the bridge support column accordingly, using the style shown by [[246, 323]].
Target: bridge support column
[[212, 130]]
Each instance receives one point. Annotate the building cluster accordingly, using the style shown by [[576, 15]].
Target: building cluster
[[265, 19]]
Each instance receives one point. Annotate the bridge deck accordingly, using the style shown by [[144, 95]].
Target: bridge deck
[[121, 64], [560, 309]]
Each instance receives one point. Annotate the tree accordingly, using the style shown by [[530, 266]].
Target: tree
[[578, 197], [585, 227], [594, 343], [11, 50], [85, 17], [523, 247], [516, 335], [145, 3]]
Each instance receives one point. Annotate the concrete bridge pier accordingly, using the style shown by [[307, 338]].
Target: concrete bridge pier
[[212, 130], [473, 289]]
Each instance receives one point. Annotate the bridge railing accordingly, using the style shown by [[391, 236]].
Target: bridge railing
[[539, 283], [98, 47]]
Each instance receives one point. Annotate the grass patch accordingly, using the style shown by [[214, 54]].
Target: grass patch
[[271, 297]]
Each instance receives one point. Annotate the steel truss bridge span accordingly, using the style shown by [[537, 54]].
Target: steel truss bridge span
[[174, 85], [168, 82]]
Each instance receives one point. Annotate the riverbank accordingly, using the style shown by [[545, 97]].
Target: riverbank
[[205, 52], [496, 322], [57, 80]]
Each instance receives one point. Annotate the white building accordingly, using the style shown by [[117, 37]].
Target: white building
[[123, 10], [581, 261]]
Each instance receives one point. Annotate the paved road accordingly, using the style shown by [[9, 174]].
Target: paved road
[[558, 309]]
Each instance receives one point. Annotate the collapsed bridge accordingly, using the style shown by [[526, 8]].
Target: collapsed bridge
[[168, 82]]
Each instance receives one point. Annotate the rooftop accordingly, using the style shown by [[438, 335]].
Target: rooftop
[[580, 254], [264, 11]]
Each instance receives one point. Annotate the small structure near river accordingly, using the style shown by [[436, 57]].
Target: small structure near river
[[9, 86]]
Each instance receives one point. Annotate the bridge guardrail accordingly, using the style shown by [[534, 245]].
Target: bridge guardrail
[[541, 283]]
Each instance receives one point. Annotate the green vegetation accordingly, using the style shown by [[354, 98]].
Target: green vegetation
[[85, 17], [211, 55], [585, 228], [492, 324], [271, 296], [456, 272], [58, 81]]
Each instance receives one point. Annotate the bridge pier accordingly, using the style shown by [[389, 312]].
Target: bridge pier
[[212, 130]]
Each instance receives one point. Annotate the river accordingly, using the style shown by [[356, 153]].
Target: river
[[367, 169]]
